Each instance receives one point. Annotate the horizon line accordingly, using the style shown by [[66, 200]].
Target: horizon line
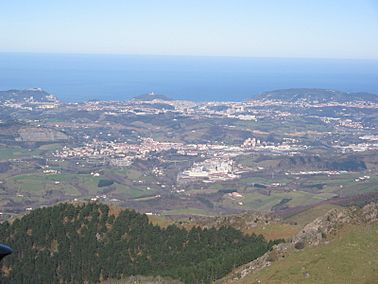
[[186, 55]]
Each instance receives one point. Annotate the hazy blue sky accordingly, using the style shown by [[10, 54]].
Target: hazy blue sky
[[268, 28]]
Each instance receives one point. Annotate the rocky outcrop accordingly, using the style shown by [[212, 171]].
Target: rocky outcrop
[[318, 230], [369, 213], [312, 234], [241, 222]]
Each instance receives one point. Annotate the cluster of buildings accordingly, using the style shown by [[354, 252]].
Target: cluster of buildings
[[251, 143], [358, 147], [212, 170], [350, 123], [122, 153], [308, 103], [30, 102], [363, 178]]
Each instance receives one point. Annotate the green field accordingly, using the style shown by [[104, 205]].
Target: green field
[[10, 152], [38, 184], [132, 192], [7, 153]]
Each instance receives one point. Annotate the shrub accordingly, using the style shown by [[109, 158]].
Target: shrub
[[104, 182]]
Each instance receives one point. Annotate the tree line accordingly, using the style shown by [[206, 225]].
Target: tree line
[[85, 243]]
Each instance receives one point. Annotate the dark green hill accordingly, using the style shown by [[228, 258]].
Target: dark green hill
[[87, 244], [348, 163], [319, 95]]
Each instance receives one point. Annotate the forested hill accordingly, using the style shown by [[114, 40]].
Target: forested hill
[[87, 244]]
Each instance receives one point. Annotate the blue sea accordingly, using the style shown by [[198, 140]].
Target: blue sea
[[121, 77]]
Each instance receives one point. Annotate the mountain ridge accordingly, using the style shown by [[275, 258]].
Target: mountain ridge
[[315, 94]]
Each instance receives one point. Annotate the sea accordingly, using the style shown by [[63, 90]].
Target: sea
[[80, 77]]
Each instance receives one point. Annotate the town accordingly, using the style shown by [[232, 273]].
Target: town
[[165, 156]]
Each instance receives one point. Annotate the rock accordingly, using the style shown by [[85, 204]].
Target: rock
[[299, 245], [314, 234], [370, 212]]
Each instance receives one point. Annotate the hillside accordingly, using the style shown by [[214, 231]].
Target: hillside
[[92, 243], [269, 225], [351, 257], [319, 95], [28, 95], [338, 247], [89, 243], [348, 163]]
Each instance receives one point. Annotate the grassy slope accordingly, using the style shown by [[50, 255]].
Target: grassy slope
[[310, 214], [160, 221], [274, 231], [292, 225], [350, 257]]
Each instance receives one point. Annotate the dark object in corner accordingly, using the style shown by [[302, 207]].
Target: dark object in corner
[[4, 251]]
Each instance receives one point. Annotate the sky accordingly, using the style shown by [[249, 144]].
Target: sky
[[242, 28]]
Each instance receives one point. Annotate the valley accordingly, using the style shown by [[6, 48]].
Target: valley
[[276, 153]]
